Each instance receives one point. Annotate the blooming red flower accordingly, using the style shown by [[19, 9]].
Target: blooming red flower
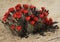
[[50, 21], [17, 8], [21, 10], [19, 28], [25, 6], [43, 8], [27, 18], [40, 11], [45, 13], [36, 18], [11, 9], [12, 27], [32, 22], [25, 11], [17, 15], [18, 5], [4, 19], [6, 14], [14, 15], [41, 15], [32, 16], [31, 7], [45, 20]]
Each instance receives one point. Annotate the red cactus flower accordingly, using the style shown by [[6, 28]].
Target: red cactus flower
[[19, 15], [36, 18], [17, 8], [43, 8], [41, 15], [6, 14], [4, 19], [12, 27], [18, 5], [25, 11], [32, 16], [46, 19], [50, 21], [21, 10], [45, 13], [31, 7], [14, 15], [40, 11], [25, 6], [32, 22], [27, 18], [19, 28], [11, 9]]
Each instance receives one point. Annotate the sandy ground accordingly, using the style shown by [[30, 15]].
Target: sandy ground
[[54, 9]]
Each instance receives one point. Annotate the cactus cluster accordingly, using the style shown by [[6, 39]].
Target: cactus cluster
[[25, 19]]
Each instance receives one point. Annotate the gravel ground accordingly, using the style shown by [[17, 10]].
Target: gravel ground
[[54, 9]]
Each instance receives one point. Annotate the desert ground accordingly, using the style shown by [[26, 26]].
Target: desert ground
[[54, 11]]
